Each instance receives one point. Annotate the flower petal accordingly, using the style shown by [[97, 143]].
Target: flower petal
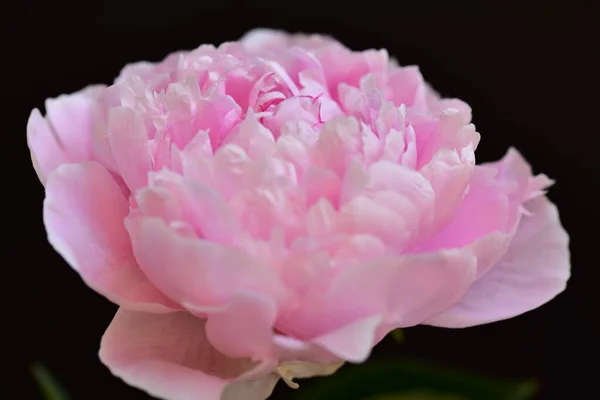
[[487, 218], [244, 328], [84, 214], [65, 134], [212, 273], [405, 290], [353, 342], [128, 140], [170, 357], [534, 270], [481, 221], [449, 172]]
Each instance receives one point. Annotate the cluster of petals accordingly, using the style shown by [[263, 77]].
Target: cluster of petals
[[273, 207]]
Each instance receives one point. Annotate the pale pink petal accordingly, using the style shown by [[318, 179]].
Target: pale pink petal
[[218, 116], [406, 86], [463, 108], [444, 131], [256, 140], [368, 216], [177, 200], [65, 134], [244, 328], [340, 65], [301, 108], [101, 151], [534, 270], [128, 140], [341, 141], [321, 183], [486, 219], [213, 273], [449, 173], [291, 350], [405, 191], [352, 342], [295, 151], [484, 210], [84, 214], [516, 174], [390, 201], [170, 357], [404, 290], [482, 221], [226, 171], [304, 272]]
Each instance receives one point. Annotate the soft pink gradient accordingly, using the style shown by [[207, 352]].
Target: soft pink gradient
[[275, 206]]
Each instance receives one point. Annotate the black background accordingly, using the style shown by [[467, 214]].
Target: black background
[[522, 69]]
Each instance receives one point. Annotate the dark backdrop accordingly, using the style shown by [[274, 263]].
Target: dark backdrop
[[521, 68]]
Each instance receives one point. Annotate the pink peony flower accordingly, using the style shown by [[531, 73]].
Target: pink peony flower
[[273, 207]]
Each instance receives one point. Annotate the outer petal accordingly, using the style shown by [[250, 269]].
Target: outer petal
[[84, 213], [194, 272], [487, 218], [65, 134], [170, 357], [534, 270], [403, 290]]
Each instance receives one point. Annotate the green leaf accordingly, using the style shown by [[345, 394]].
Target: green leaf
[[49, 387], [410, 377]]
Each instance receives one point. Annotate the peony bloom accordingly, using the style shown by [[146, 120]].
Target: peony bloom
[[273, 207]]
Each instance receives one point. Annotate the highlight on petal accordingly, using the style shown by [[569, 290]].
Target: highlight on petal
[[84, 214], [170, 357], [533, 271]]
